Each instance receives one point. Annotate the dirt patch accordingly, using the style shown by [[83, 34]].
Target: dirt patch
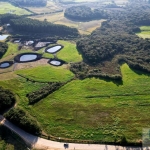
[[31, 64], [7, 76]]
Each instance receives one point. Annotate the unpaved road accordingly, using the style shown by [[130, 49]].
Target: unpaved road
[[40, 143]]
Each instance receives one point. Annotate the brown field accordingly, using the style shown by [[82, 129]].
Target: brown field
[[58, 18]]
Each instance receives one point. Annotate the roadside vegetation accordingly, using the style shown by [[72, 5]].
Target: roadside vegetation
[[23, 120], [7, 99], [10, 141]]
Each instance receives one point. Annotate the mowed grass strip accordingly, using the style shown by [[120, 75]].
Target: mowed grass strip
[[69, 53], [6, 7], [96, 109], [47, 73]]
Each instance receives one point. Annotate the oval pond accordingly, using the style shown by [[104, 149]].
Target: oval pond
[[55, 62], [53, 49], [3, 37]]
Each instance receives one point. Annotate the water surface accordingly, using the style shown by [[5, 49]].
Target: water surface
[[4, 65], [54, 49], [28, 57], [3, 37], [55, 62]]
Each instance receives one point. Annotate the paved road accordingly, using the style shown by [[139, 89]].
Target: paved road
[[41, 143]]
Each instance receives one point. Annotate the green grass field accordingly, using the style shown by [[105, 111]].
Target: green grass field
[[145, 32], [97, 109], [69, 53], [8, 8], [47, 73]]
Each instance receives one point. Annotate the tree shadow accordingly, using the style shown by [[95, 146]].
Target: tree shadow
[[118, 82], [140, 72]]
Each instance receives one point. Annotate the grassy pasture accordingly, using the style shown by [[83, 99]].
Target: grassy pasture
[[8, 8], [69, 53], [145, 32], [97, 109], [47, 73]]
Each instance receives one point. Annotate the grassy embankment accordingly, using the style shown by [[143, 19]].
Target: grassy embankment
[[6, 7], [145, 32]]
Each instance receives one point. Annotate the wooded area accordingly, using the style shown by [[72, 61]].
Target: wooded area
[[3, 48], [84, 13], [23, 120], [115, 41], [22, 25], [7, 99]]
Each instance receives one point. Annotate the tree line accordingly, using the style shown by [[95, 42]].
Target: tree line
[[84, 13], [23, 120], [22, 25], [3, 48], [43, 92], [7, 99]]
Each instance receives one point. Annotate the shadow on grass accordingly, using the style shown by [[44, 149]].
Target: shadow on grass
[[140, 72]]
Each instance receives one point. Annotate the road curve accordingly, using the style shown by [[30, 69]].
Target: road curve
[[40, 143]]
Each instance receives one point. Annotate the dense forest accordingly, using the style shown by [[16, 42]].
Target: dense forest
[[22, 25], [115, 42], [7, 99], [23, 120], [3, 48], [84, 13], [36, 3]]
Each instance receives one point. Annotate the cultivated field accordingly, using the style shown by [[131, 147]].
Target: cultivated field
[[92, 108], [145, 32], [8, 8]]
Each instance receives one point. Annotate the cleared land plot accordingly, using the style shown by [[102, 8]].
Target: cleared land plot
[[145, 32], [69, 53], [58, 18], [97, 109], [8, 8], [47, 73], [51, 7]]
